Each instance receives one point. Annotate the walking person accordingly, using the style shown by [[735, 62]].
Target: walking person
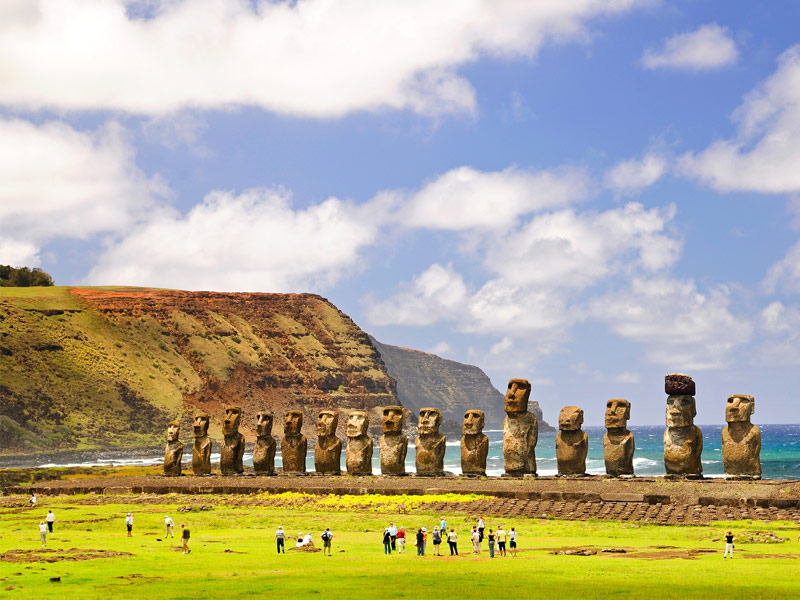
[[280, 539], [393, 534], [185, 535], [452, 541], [387, 541], [512, 542], [420, 543], [728, 545], [481, 527], [326, 536], [491, 538], [43, 533], [437, 540], [50, 518], [476, 541], [170, 526], [501, 541], [129, 524], [401, 540]]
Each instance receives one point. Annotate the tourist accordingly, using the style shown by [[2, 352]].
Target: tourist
[[393, 534], [728, 545], [437, 539], [33, 500], [401, 540], [300, 539], [50, 518], [185, 535], [491, 538], [129, 524], [387, 541], [501, 541], [326, 536], [512, 542], [170, 525], [481, 527], [420, 543], [476, 541], [280, 537], [308, 540], [43, 533], [443, 525], [452, 541]]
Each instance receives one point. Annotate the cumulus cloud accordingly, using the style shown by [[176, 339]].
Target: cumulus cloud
[[57, 182], [765, 154], [780, 327], [706, 48], [311, 58], [631, 176], [785, 273]]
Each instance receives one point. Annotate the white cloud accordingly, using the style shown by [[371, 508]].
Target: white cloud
[[780, 326], [765, 155], [631, 176], [57, 182], [628, 377], [706, 48], [785, 273], [312, 58], [441, 349]]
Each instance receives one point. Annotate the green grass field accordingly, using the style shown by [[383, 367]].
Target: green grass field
[[233, 555]]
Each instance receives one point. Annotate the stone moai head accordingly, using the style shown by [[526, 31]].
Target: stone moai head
[[327, 422], [570, 418], [173, 431], [201, 425], [357, 424], [681, 411], [230, 426], [473, 422], [519, 390], [293, 423], [393, 419], [429, 421], [263, 423], [618, 411], [739, 408]]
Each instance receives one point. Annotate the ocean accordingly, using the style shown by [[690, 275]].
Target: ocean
[[780, 453]]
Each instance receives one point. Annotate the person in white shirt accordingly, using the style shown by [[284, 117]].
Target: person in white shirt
[[481, 526], [43, 533], [280, 538], [50, 518], [476, 541], [512, 542], [170, 525], [129, 524], [501, 541], [326, 536], [33, 500], [307, 540], [393, 534]]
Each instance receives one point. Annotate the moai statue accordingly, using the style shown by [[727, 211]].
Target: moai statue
[[328, 451], [618, 444], [173, 453], [201, 450], [520, 430], [232, 449], [572, 443], [430, 443], [359, 444], [264, 450], [683, 440], [741, 440], [474, 444], [393, 443], [294, 444]]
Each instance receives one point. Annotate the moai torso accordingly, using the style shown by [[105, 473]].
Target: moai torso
[[474, 444], [173, 453], [430, 444], [572, 443], [393, 442], [520, 430], [294, 445], [264, 450], [201, 449], [359, 444], [741, 440], [328, 451], [618, 442], [232, 449]]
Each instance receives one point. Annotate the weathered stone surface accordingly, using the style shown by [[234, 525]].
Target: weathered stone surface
[[520, 430], [618, 442], [359, 444], [294, 444], [173, 453], [264, 450], [393, 443], [683, 441], [232, 450], [430, 444], [572, 443], [474, 444], [328, 451], [679, 384], [741, 440], [201, 449]]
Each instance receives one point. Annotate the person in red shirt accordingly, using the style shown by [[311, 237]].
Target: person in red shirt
[[401, 540]]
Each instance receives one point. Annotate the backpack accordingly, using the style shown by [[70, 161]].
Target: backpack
[[326, 536]]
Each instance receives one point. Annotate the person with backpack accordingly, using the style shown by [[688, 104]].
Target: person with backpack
[[326, 536], [437, 539]]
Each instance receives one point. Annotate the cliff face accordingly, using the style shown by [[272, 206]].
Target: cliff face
[[428, 380]]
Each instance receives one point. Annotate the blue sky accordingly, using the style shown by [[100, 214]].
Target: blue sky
[[587, 194]]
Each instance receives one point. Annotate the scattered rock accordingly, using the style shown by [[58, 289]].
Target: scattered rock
[[56, 579]]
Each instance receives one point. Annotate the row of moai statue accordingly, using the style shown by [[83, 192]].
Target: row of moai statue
[[683, 441]]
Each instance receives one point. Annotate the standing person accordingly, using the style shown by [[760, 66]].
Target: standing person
[[326, 536], [481, 527], [387, 541], [393, 534], [443, 525], [170, 525], [476, 541], [50, 518], [512, 542], [185, 535], [491, 538], [401, 540], [452, 541], [437, 539], [420, 543], [501, 541], [43, 533], [33, 500], [280, 539], [129, 524], [728, 545]]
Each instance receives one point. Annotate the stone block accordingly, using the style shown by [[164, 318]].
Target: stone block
[[678, 384]]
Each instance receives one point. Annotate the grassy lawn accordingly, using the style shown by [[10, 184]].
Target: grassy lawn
[[233, 555]]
